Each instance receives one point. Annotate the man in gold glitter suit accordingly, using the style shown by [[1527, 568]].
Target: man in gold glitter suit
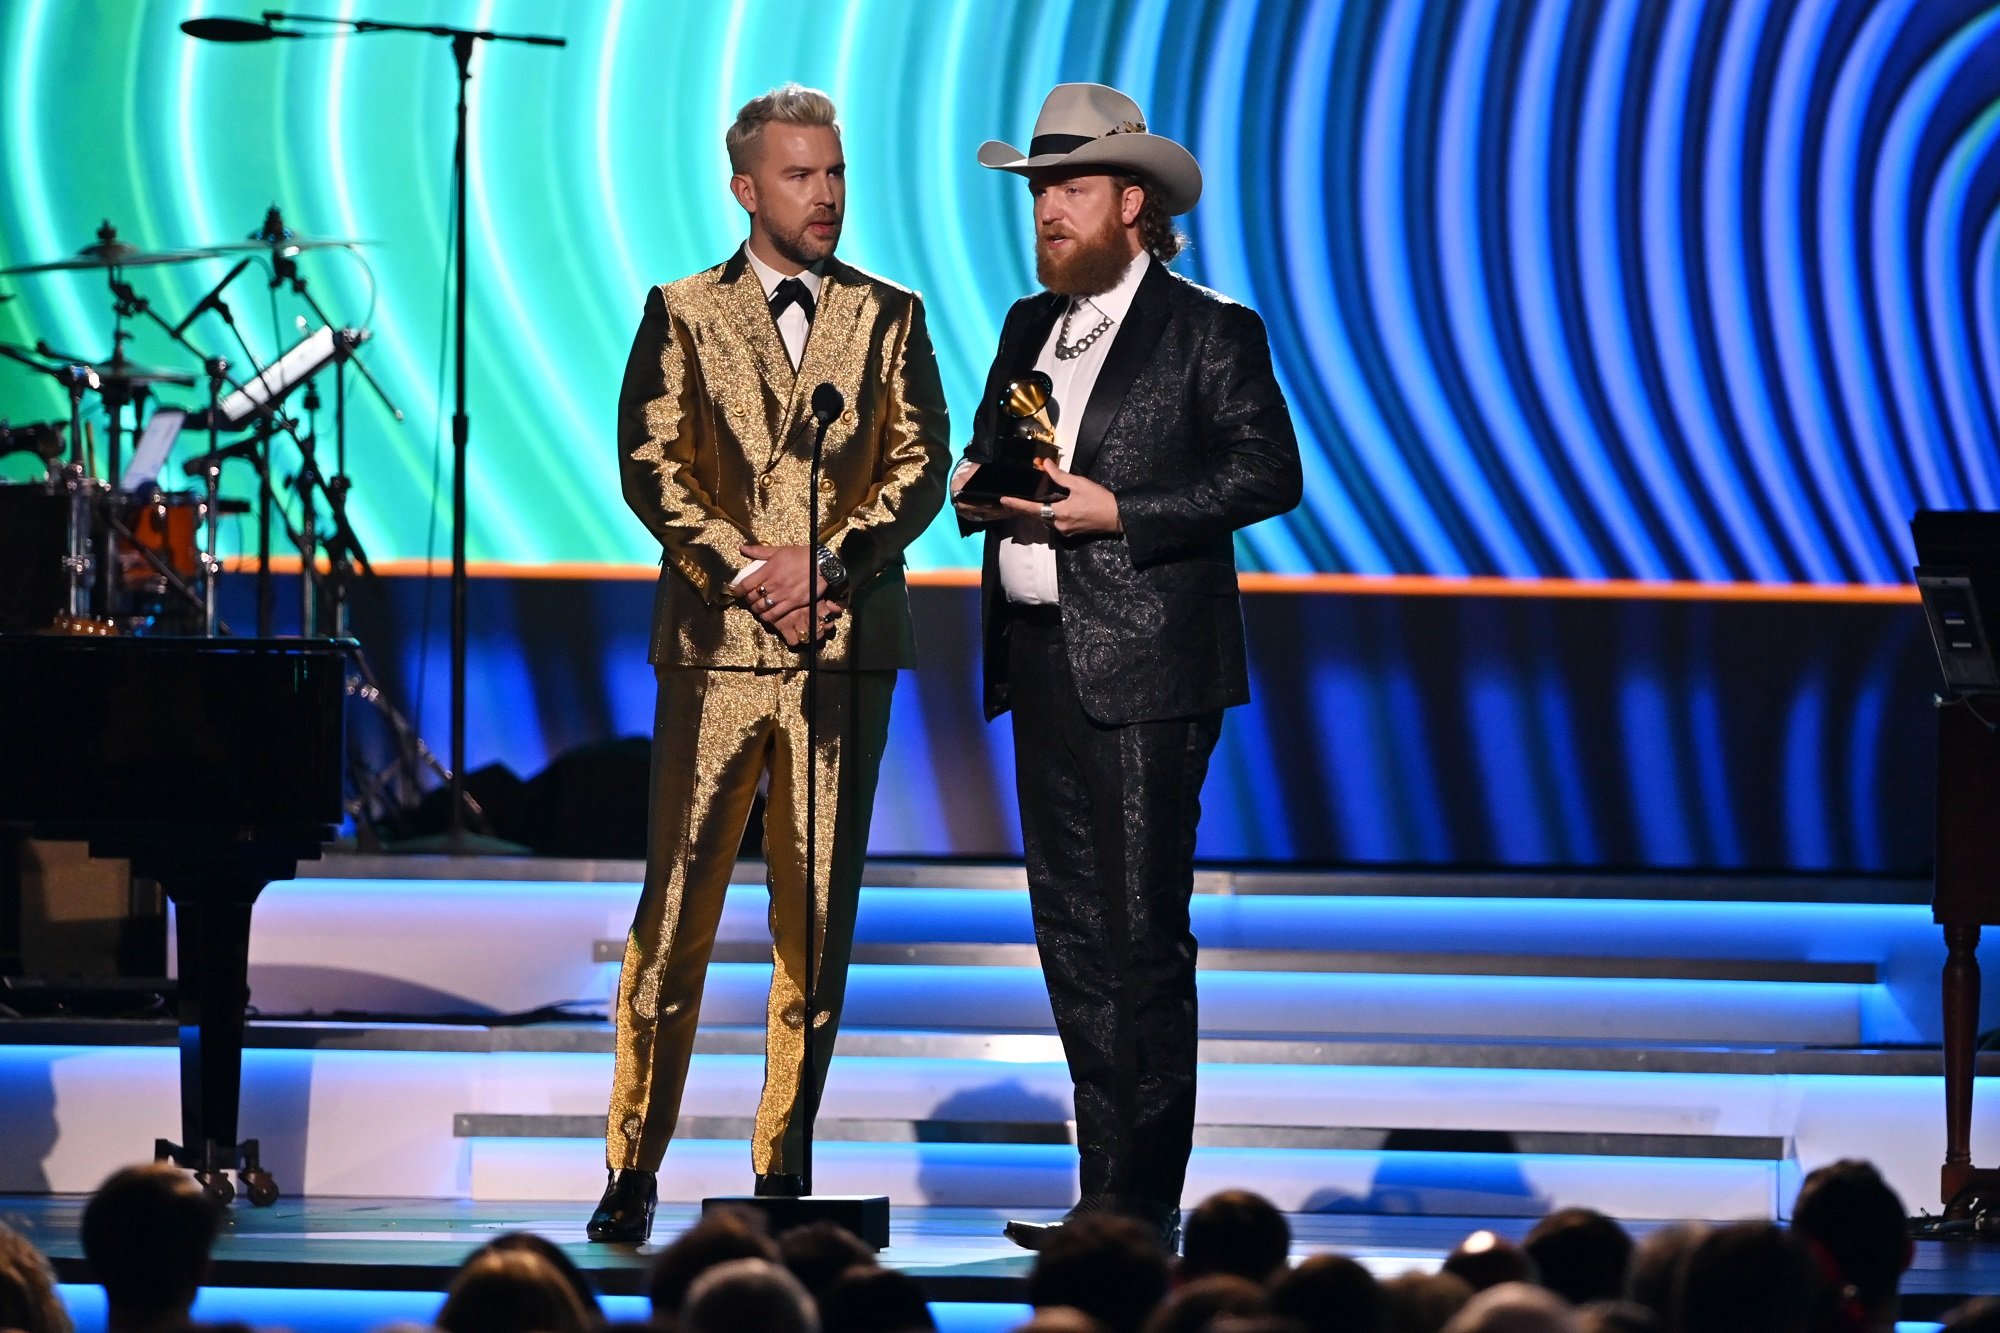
[[715, 431]]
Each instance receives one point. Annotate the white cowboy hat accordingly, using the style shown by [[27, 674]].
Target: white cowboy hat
[[1089, 127]]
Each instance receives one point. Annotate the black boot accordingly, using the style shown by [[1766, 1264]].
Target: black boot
[[1164, 1219], [1034, 1235], [781, 1187], [625, 1214]]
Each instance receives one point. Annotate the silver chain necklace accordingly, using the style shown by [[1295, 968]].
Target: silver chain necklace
[[1069, 351]]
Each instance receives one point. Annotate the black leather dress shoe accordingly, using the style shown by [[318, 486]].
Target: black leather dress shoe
[[1034, 1235], [625, 1214], [780, 1187]]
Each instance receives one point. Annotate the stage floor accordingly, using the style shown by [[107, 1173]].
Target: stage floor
[[958, 1254]]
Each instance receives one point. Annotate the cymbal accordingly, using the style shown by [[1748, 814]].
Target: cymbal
[[113, 253], [131, 372], [288, 244]]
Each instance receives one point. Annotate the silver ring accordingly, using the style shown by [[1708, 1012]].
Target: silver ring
[[1048, 513], [767, 599]]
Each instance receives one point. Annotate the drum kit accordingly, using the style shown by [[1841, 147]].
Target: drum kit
[[99, 545]]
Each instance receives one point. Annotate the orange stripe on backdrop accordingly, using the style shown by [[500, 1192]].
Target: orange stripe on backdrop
[[1397, 585]]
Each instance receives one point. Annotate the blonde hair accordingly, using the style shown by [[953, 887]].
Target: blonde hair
[[793, 104]]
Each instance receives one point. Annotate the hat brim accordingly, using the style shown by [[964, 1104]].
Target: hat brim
[[1175, 175]]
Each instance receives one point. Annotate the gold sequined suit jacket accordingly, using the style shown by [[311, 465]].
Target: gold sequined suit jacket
[[715, 437]]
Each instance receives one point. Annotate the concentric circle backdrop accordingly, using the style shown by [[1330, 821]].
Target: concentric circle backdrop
[[1597, 289]]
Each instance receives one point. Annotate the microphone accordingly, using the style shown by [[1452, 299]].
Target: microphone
[[211, 301], [231, 30], [826, 404]]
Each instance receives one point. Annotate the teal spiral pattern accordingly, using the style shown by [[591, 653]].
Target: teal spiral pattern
[[1661, 289]]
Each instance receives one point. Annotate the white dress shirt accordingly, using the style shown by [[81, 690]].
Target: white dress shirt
[[1028, 553], [793, 326]]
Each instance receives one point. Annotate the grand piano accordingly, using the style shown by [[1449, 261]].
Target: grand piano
[[214, 766]]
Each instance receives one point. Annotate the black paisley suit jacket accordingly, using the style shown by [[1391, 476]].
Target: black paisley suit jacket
[[1188, 426]]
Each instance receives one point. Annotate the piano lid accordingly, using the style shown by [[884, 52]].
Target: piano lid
[[172, 737]]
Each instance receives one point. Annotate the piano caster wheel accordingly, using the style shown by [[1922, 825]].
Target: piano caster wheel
[[217, 1185], [258, 1187]]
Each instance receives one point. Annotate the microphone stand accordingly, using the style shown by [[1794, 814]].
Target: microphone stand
[[456, 838], [865, 1215], [809, 982]]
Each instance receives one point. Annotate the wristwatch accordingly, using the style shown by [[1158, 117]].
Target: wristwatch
[[831, 570]]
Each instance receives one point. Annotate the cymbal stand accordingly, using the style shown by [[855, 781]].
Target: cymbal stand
[[266, 605], [336, 487], [211, 475], [305, 542], [347, 342], [77, 561], [342, 546], [285, 269], [304, 481]]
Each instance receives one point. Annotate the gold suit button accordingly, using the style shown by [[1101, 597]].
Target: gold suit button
[[826, 485], [764, 482]]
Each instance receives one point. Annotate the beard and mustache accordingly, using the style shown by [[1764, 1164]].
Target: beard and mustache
[[1090, 265], [801, 246]]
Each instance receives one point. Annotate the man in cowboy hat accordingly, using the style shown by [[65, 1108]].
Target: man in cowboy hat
[[1112, 628], [715, 430]]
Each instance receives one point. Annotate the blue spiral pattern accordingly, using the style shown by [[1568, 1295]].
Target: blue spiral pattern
[[1700, 289]]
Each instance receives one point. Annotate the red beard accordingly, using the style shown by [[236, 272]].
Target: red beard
[[1088, 266]]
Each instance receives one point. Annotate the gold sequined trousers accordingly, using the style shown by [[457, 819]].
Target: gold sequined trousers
[[715, 736]]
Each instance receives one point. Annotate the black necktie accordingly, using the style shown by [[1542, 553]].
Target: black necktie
[[790, 290]]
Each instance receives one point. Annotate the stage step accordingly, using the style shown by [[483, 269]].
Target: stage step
[[1447, 1049], [835, 1129], [1327, 967], [553, 1036], [1031, 1176], [1234, 881], [1379, 963], [390, 1110]]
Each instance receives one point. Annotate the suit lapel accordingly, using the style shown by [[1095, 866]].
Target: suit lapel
[[752, 312], [837, 316], [1035, 326], [1130, 350]]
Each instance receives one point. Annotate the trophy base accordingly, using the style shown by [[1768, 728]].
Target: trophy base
[[1023, 481]]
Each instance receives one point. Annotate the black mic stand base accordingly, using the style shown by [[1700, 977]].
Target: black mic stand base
[[863, 1215]]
